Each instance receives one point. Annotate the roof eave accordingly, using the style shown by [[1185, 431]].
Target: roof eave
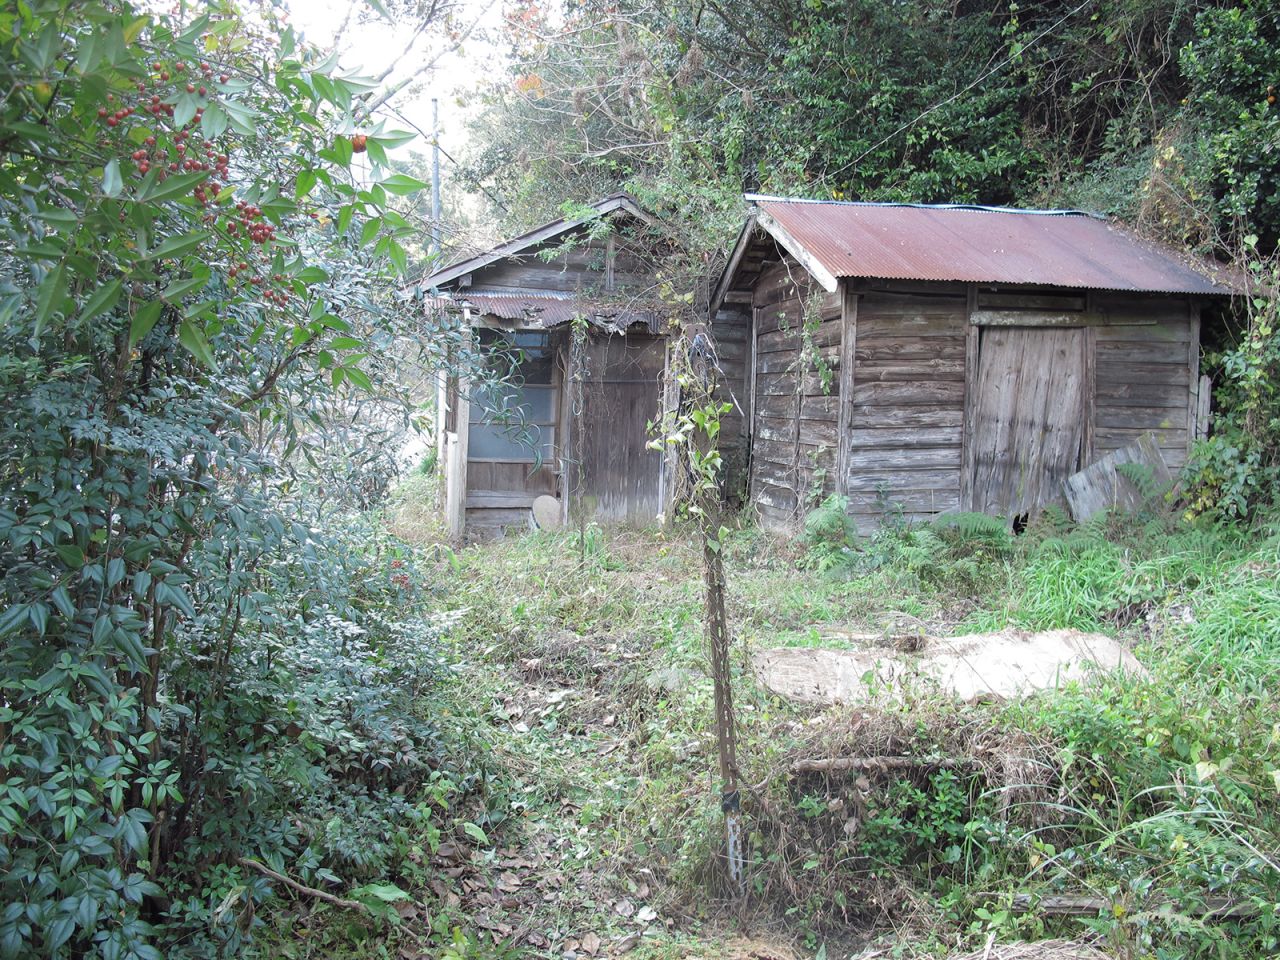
[[817, 269], [611, 204], [731, 267]]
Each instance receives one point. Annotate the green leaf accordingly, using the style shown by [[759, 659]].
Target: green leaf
[[345, 214], [377, 153], [393, 138], [112, 182], [143, 320], [39, 614], [184, 110], [177, 246], [213, 122], [346, 343], [180, 288], [312, 275], [475, 833], [242, 117], [62, 600], [192, 337], [14, 617], [370, 230], [359, 378], [306, 180], [402, 184], [70, 554], [386, 892], [175, 185], [58, 218], [398, 256], [103, 299], [48, 296]]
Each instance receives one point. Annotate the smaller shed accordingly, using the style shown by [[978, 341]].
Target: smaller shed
[[922, 359], [569, 423]]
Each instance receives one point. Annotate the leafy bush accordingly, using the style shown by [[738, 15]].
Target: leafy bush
[[1236, 472], [204, 661], [1232, 67]]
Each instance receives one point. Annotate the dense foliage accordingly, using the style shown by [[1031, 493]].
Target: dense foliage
[[1158, 110], [1161, 112], [206, 664]]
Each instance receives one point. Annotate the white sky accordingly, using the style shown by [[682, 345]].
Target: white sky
[[366, 48]]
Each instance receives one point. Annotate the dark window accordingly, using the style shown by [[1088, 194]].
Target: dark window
[[514, 418]]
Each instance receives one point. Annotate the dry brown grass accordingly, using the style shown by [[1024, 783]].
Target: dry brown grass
[[1040, 950]]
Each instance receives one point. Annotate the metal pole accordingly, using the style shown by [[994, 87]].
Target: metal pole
[[435, 176]]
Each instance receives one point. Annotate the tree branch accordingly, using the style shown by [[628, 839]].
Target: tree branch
[[302, 888]]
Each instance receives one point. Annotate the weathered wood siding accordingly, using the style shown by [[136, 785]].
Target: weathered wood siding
[[795, 403], [895, 422], [1146, 372], [581, 268], [906, 403], [731, 329]]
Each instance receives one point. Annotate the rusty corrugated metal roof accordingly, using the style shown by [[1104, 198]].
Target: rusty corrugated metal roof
[[548, 310], [1064, 248]]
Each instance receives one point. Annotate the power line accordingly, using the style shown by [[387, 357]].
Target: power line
[[959, 93]]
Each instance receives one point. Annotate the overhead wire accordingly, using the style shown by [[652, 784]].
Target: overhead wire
[[958, 94]]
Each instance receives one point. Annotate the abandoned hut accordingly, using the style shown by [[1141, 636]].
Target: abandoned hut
[[921, 359], [565, 316]]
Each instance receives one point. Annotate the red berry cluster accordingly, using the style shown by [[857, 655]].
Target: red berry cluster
[[187, 151], [113, 119], [250, 219], [151, 100]]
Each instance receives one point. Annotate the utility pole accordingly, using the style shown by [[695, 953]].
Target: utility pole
[[435, 177]]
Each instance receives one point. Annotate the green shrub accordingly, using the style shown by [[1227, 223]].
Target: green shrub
[[828, 535], [1235, 473]]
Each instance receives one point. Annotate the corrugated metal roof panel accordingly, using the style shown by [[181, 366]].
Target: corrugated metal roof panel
[[549, 310], [986, 245]]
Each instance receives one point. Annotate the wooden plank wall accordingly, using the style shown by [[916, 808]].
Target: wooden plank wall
[[731, 328], [906, 411], [795, 411], [1146, 373]]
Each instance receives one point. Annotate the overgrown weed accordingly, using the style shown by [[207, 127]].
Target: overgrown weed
[[1156, 794]]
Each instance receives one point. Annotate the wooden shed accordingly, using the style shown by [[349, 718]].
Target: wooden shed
[[567, 422], [921, 359]]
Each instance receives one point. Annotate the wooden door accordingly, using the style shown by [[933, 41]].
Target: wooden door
[[621, 475], [1028, 419]]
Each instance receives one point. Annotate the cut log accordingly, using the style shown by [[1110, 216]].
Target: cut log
[[1081, 905], [880, 764]]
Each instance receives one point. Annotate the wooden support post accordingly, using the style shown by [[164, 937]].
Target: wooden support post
[[754, 313], [1193, 378], [669, 470], [1204, 407], [1088, 452], [455, 492], [972, 344], [848, 351]]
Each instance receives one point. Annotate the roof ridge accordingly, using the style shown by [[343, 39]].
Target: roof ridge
[[977, 207]]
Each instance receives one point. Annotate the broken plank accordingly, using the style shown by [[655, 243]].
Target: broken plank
[[1101, 486]]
